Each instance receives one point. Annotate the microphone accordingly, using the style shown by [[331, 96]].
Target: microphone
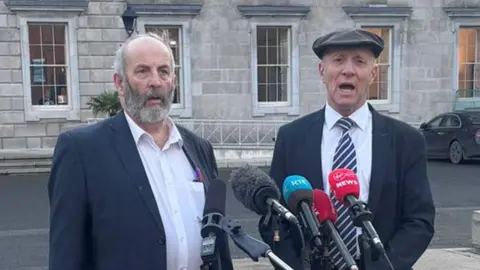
[[298, 194], [258, 192], [344, 185], [327, 215], [213, 214]]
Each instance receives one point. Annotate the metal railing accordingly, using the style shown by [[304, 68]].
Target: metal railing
[[235, 133]]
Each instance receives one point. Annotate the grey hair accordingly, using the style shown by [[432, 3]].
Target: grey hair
[[120, 65]]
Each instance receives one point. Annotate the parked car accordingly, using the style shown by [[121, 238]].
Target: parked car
[[454, 136]]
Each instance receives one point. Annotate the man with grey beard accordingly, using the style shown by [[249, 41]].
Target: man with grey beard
[[128, 192]]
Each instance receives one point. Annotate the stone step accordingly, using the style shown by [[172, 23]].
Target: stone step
[[24, 166], [25, 170]]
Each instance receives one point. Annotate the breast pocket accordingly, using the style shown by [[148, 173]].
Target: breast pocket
[[196, 189]]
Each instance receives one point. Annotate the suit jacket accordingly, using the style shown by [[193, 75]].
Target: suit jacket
[[399, 196], [103, 212]]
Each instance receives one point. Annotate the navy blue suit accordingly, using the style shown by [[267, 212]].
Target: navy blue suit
[[103, 212], [400, 197]]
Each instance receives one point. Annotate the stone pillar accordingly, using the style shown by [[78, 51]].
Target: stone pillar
[[476, 230]]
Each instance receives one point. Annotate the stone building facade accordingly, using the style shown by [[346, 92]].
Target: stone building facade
[[237, 59]]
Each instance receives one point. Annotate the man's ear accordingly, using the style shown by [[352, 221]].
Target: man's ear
[[118, 84], [374, 72], [321, 71]]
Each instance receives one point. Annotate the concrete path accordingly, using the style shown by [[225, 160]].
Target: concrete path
[[433, 259]]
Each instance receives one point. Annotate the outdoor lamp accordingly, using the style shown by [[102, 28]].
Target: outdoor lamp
[[129, 18]]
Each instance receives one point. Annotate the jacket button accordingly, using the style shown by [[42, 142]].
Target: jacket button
[[161, 241]]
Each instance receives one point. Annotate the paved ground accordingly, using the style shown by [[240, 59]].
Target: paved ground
[[24, 214]]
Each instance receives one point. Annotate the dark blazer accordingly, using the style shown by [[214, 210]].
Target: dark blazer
[[103, 212], [399, 197]]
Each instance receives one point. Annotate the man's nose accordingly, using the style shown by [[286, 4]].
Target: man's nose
[[348, 68], [155, 80]]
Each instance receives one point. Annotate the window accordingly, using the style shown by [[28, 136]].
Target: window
[[390, 23], [48, 65], [468, 62], [50, 70], [274, 59], [380, 88], [273, 64], [275, 68], [174, 33], [178, 30], [435, 123]]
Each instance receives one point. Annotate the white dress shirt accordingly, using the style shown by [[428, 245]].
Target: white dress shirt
[[180, 201], [361, 134]]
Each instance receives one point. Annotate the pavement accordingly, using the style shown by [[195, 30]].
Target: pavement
[[24, 220]]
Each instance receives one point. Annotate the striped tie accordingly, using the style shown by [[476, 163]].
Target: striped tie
[[344, 157]]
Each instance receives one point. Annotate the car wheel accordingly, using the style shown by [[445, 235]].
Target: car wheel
[[455, 152]]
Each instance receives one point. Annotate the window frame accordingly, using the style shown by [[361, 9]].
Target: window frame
[[457, 24], [184, 108], [292, 105], [38, 112], [397, 18], [289, 74]]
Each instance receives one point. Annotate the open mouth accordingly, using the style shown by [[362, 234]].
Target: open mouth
[[346, 86]]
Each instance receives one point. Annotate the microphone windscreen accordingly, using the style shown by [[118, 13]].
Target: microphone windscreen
[[215, 201], [343, 182], [295, 189], [251, 186], [322, 206]]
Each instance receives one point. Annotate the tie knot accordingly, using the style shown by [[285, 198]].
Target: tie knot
[[345, 123]]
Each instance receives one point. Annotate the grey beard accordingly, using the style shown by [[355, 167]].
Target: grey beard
[[135, 104]]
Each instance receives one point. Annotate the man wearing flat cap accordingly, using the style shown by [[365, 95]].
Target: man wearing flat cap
[[387, 156]]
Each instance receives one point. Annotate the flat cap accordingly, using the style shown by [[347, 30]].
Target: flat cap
[[349, 38]]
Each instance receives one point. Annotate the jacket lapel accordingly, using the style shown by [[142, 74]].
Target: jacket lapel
[[126, 149], [314, 148], [381, 142]]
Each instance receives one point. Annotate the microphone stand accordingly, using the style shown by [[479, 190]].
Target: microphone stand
[[325, 258], [209, 250], [358, 217], [251, 246]]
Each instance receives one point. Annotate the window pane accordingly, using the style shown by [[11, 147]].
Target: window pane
[[34, 34], [262, 55], [59, 32], [59, 55], [47, 34], [48, 70], [262, 93], [47, 52]]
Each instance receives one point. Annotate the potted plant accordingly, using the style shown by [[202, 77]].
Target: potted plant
[[105, 103]]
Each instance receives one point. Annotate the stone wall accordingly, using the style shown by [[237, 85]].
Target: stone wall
[[220, 62]]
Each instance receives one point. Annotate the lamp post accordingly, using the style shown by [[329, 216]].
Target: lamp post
[[129, 18]]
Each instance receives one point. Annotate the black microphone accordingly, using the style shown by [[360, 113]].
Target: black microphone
[[258, 192], [212, 223]]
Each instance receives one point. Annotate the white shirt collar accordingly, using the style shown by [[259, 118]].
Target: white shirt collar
[[138, 132], [360, 116]]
